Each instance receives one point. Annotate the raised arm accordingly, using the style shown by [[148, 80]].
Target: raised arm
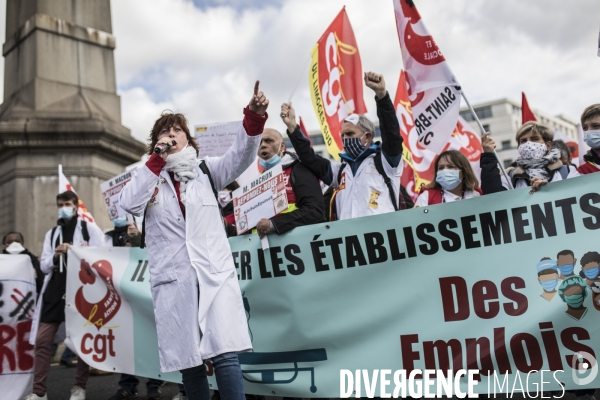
[[316, 164], [391, 140], [491, 180], [242, 153]]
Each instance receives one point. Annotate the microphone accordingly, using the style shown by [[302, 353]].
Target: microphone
[[162, 147]]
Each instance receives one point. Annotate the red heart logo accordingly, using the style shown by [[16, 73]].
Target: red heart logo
[[86, 275]]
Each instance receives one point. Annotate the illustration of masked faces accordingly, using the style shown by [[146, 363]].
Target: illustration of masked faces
[[566, 265], [591, 271], [573, 291], [548, 279]]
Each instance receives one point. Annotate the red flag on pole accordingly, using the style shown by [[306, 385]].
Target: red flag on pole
[[304, 131], [336, 81], [526, 113]]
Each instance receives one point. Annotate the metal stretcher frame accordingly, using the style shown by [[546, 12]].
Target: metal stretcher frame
[[295, 357]]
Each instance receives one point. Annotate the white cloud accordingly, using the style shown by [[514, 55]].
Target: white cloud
[[203, 61]]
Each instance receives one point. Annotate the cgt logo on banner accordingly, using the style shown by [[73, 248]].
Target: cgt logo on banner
[[335, 80], [17, 303]]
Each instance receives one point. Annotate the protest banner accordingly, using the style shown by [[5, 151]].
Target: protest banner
[[264, 197], [110, 192], [336, 81], [17, 305], [215, 139], [63, 186], [452, 286]]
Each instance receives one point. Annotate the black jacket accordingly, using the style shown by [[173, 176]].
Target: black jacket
[[491, 182], [309, 200], [391, 143]]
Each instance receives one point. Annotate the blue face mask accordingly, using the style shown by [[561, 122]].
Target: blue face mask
[[574, 300], [66, 212], [591, 273], [549, 285], [592, 139], [271, 162], [448, 178], [566, 269], [353, 147], [120, 222]]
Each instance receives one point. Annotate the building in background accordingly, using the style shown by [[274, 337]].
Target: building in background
[[502, 118]]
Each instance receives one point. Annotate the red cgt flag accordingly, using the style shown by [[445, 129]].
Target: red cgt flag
[[336, 81], [526, 113]]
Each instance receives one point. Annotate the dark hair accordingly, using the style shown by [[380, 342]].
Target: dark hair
[[589, 257], [547, 272], [457, 158], [233, 186], [68, 196], [565, 253], [13, 233], [590, 112], [166, 121]]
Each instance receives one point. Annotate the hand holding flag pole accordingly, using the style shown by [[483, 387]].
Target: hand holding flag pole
[[483, 133]]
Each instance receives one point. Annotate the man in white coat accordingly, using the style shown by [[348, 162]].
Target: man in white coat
[[197, 300], [70, 231]]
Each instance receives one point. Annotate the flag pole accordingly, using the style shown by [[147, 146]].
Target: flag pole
[[482, 133], [300, 78]]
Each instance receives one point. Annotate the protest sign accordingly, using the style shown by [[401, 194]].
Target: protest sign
[[110, 192], [215, 139], [263, 197], [17, 304], [452, 286]]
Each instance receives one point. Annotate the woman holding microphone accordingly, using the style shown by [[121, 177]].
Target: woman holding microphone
[[196, 296]]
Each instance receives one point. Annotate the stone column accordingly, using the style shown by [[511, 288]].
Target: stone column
[[60, 107]]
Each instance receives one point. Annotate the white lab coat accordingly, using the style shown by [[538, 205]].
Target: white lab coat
[[47, 262], [365, 193], [197, 300]]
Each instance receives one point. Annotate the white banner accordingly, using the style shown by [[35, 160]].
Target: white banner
[[17, 305], [110, 192], [263, 197], [215, 139]]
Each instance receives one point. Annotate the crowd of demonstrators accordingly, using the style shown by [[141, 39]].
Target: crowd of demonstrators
[[367, 180], [454, 180], [538, 163], [590, 123], [70, 231], [176, 196], [304, 195]]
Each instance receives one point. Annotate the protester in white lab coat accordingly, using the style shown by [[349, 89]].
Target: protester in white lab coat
[[197, 300], [367, 180], [71, 231]]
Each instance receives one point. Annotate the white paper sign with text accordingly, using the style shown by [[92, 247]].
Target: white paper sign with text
[[264, 197], [215, 139], [110, 192]]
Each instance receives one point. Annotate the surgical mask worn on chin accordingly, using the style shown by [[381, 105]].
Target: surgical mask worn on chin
[[566, 269], [353, 147], [120, 222], [549, 285], [591, 273], [532, 150], [448, 178], [574, 300], [271, 162], [66, 212], [592, 139], [15, 248]]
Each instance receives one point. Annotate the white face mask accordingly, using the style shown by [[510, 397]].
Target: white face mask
[[532, 150], [15, 248]]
